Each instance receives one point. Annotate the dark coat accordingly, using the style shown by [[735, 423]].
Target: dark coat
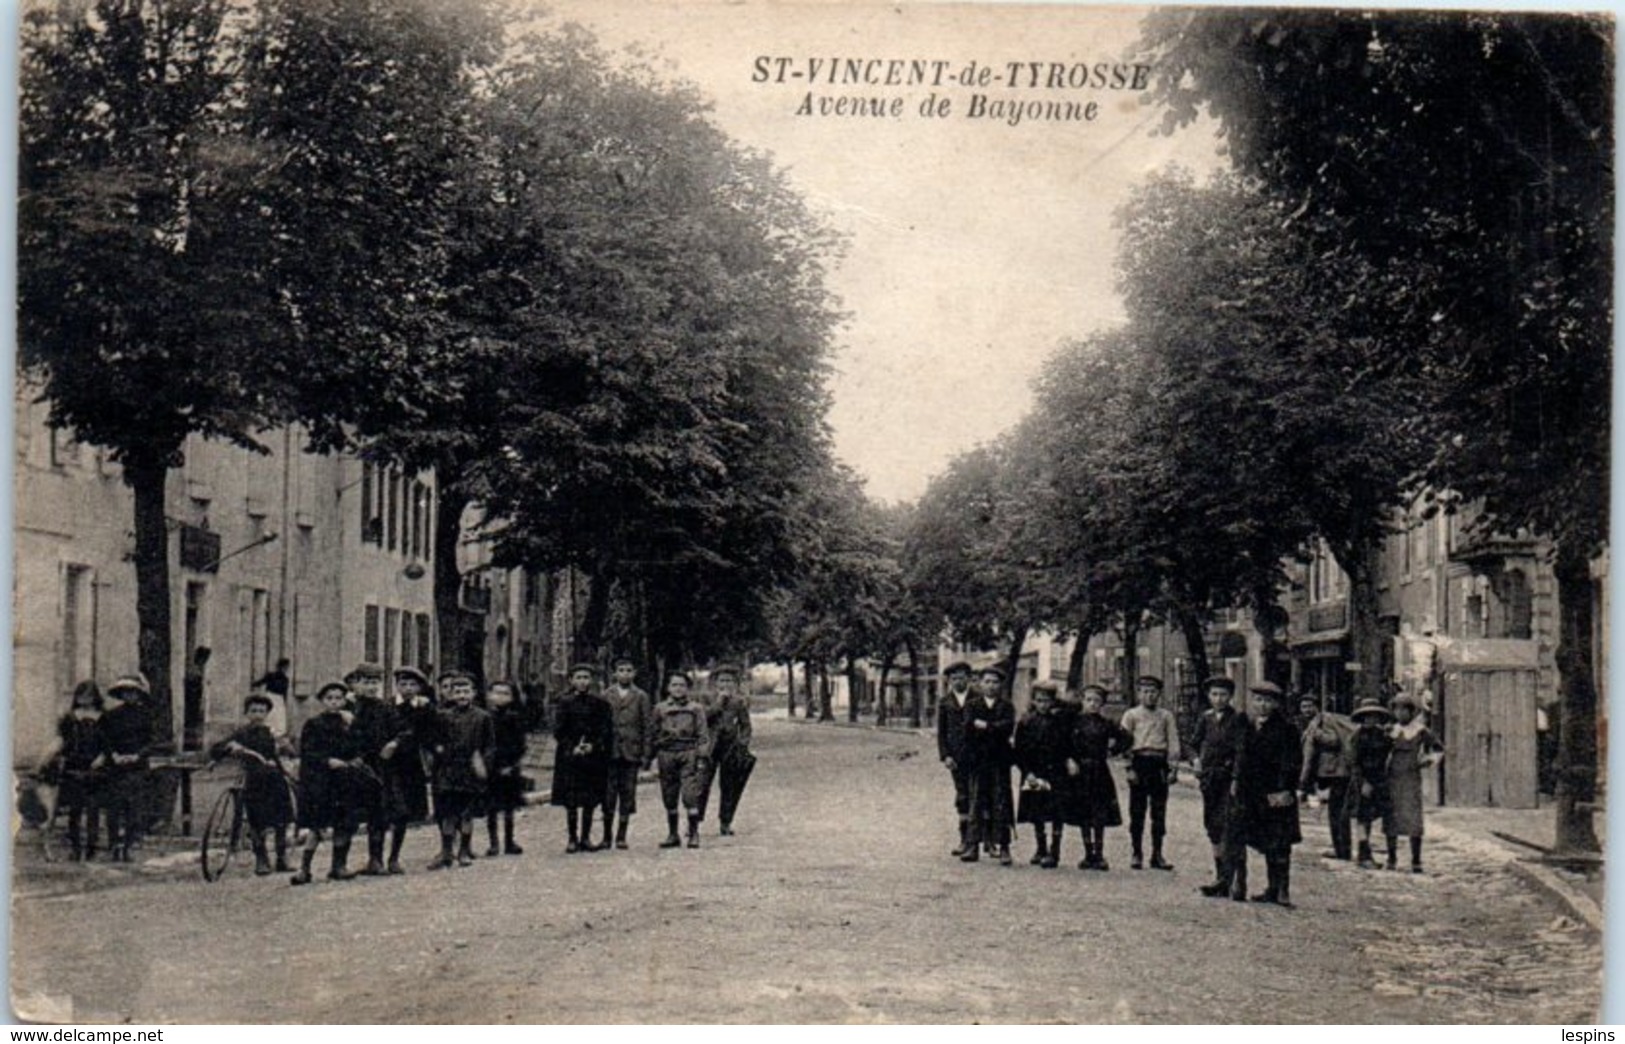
[[403, 795], [71, 765], [951, 728], [507, 785], [1372, 749], [581, 720], [1221, 745], [265, 786], [1271, 766], [1090, 798], [123, 730], [328, 797], [988, 757], [1041, 745], [462, 735]]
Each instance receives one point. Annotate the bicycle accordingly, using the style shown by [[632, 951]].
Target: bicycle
[[223, 830]]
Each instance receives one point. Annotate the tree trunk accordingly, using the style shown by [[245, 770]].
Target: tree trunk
[[1013, 660], [147, 478], [1190, 626], [589, 637], [826, 705], [790, 688], [1075, 664], [916, 717], [448, 580], [852, 687], [807, 676], [880, 695], [1361, 564], [1578, 726], [1131, 654]]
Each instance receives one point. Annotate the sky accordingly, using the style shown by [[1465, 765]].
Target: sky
[[974, 247]]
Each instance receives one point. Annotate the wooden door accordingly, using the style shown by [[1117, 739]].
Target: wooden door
[[1489, 730]]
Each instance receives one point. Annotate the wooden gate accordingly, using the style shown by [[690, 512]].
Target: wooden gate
[[1489, 735]]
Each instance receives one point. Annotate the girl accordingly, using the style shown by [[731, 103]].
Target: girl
[[1041, 748], [71, 765], [1094, 739], [506, 791], [1414, 748], [1368, 775]]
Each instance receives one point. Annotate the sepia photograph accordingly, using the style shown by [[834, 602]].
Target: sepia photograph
[[809, 512]]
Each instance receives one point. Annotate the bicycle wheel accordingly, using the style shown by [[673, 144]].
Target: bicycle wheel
[[222, 833]]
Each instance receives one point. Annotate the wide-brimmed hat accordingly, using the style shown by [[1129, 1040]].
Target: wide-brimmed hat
[[132, 682], [1369, 706]]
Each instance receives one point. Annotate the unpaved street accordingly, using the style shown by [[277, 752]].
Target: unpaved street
[[836, 902]]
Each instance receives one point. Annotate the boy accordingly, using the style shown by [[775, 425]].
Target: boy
[[1154, 750], [1368, 775], [731, 760], [683, 745], [633, 716], [123, 739], [463, 748], [1267, 785], [265, 788], [1221, 739], [389, 746], [989, 721], [951, 743], [584, 733], [507, 788], [328, 758]]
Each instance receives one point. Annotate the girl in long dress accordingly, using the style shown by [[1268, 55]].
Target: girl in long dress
[[1414, 748]]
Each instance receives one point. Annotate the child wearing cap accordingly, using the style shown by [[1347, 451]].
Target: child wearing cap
[[377, 725], [464, 746], [1267, 785], [731, 760], [124, 739], [990, 719], [584, 737], [681, 745], [951, 743], [1152, 755], [329, 758], [265, 785], [396, 747], [632, 713], [506, 791]]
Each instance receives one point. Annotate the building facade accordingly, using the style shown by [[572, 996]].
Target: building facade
[[287, 554]]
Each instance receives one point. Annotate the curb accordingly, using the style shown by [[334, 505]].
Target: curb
[[1542, 879]]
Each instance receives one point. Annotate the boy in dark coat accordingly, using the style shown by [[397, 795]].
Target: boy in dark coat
[[329, 759], [384, 736], [1221, 743], [124, 739], [506, 793], [951, 743], [731, 760], [71, 767], [632, 712], [1041, 745], [464, 746], [1268, 788], [265, 787], [990, 719], [584, 735], [1094, 741]]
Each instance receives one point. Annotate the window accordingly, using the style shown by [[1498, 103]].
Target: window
[[259, 641], [64, 450], [77, 656], [393, 511], [425, 641], [369, 642], [191, 623], [392, 624], [408, 633]]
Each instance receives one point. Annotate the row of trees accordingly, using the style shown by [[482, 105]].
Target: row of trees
[[438, 237], [1397, 300]]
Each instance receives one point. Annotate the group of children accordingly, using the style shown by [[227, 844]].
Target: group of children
[[100, 766], [605, 738]]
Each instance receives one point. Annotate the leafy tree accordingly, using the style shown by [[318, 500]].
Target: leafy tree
[[1476, 152], [211, 204]]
